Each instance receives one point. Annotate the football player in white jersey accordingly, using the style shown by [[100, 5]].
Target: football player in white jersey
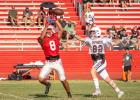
[[97, 45]]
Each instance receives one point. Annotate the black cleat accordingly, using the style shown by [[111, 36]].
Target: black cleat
[[69, 95], [47, 88]]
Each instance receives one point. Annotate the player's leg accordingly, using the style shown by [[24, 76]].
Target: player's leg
[[96, 82], [129, 73], [43, 74], [106, 77], [126, 72], [62, 78], [98, 65], [67, 88]]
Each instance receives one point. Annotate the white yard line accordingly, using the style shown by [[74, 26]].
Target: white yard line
[[14, 96]]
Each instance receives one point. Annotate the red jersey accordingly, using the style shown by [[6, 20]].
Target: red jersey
[[51, 45]]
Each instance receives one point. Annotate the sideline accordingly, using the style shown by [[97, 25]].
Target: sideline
[[17, 97]]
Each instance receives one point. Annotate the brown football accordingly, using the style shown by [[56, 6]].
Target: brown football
[[58, 11]]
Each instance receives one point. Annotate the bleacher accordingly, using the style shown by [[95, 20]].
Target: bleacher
[[111, 14], [25, 38]]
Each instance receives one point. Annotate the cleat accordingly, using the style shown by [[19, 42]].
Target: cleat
[[120, 94], [69, 96], [96, 93], [47, 88]]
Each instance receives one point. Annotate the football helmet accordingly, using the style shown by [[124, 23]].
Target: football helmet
[[52, 28], [95, 32]]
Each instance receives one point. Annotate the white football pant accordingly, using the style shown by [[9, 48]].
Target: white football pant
[[49, 66], [99, 65]]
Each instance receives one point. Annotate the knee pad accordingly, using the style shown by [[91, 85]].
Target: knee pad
[[104, 74]]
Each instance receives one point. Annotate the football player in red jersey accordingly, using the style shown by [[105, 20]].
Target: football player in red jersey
[[50, 42]]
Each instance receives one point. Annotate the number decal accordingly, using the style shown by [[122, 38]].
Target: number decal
[[98, 48], [52, 45], [94, 48]]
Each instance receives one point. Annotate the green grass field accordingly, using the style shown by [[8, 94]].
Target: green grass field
[[81, 90]]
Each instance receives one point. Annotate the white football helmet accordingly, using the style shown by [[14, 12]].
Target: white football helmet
[[95, 32], [52, 28]]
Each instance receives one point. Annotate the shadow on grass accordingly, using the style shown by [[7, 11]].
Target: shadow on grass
[[43, 96], [85, 95], [100, 96], [91, 96]]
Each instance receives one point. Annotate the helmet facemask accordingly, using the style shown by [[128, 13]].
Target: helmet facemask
[[92, 34]]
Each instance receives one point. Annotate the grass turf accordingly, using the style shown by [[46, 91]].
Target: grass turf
[[81, 90]]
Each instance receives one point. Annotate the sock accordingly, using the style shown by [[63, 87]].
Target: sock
[[114, 86], [117, 89], [96, 84]]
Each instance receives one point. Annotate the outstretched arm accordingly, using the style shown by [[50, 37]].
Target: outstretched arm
[[60, 29], [79, 38], [43, 33]]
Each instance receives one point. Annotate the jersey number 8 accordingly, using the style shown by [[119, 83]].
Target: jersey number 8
[[52, 45]]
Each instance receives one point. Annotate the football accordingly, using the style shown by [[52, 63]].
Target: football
[[58, 11]]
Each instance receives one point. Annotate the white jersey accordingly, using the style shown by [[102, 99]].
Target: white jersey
[[97, 45], [97, 51], [89, 17]]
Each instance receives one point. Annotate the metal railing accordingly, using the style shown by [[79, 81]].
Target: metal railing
[[16, 45]]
